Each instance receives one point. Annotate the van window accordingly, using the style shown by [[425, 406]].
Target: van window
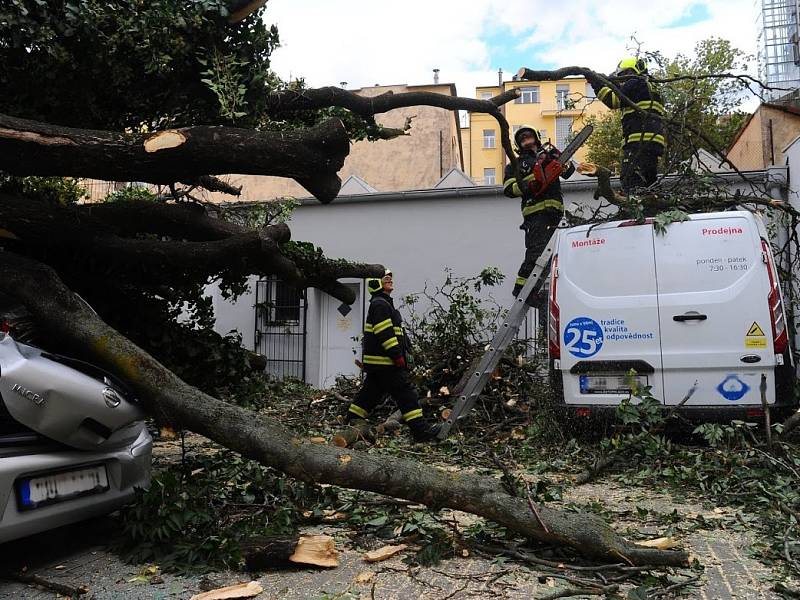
[[705, 255]]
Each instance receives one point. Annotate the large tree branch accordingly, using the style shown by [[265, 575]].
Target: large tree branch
[[368, 106], [225, 246], [312, 157], [67, 318]]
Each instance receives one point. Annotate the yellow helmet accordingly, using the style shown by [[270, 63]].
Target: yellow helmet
[[637, 65]]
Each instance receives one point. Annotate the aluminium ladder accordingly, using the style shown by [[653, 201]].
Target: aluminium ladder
[[497, 347]]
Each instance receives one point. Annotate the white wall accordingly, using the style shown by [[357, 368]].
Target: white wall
[[417, 234]]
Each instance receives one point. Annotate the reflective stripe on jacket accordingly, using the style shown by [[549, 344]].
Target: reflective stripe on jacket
[[638, 126], [550, 198], [383, 332]]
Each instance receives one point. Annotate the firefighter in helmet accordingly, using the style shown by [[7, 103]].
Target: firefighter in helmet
[[542, 205], [642, 126], [385, 350]]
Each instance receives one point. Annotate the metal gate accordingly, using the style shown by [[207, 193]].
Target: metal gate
[[280, 331]]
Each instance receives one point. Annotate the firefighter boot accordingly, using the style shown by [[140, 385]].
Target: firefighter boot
[[422, 431]]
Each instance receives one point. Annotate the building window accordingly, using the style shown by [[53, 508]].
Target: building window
[[489, 140], [489, 177], [543, 136], [486, 95], [528, 95], [590, 92], [562, 96], [563, 130], [281, 303]]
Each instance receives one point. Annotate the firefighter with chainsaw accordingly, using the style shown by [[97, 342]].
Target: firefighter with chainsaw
[[642, 126], [542, 201], [384, 361]]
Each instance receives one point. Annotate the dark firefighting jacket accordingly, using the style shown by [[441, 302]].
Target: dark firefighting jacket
[[384, 340], [638, 126], [549, 198]]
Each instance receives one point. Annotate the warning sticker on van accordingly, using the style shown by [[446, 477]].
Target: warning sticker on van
[[755, 337]]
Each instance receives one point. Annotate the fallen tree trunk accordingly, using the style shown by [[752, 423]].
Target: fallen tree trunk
[[173, 401], [311, 157]]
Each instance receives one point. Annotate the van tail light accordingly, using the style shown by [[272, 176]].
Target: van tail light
[[553, 342], [754, 413], [583, 412], [779, 334]]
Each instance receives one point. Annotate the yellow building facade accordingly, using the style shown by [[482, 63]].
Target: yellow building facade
[[556, 109]]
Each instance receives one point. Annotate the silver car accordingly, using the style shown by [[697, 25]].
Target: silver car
[[72, 441]]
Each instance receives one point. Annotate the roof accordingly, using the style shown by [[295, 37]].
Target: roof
[[454, 178], [792, 110], [355, 185]]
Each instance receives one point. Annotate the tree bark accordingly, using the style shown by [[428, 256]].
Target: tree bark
[[218, 246], [169, 398], [312, 157]]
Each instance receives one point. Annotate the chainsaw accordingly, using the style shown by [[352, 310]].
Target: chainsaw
[[547, 171]]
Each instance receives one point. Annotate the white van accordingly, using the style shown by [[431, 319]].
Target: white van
[[698, 307]]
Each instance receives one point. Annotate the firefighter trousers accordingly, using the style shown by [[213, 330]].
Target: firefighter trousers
[[387, 380], [539, 228], [639, 167]]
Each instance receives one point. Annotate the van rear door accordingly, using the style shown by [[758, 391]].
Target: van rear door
[[715, 323], [608, 312]]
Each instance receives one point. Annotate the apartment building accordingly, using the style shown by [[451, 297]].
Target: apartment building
[[555, 109]]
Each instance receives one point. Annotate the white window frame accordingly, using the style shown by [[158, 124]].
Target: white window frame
[[528, 94], [489, 138], [489, 176]]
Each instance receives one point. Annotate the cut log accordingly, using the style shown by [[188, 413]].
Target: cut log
[[240, 590], [384, 553], [269, 552], [357, 430]]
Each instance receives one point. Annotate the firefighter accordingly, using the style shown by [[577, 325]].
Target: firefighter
[[542, 208], [385, 350], [642, 130]]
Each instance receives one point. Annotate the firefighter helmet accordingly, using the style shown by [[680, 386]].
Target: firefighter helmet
[[375, 284], [525, 129], [637, 65]]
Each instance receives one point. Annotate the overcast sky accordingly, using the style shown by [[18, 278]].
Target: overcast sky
[[364, 42]]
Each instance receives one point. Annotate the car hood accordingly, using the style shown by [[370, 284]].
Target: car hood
[[84, 409]]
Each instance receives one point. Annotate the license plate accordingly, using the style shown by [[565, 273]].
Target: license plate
[[610, 384], [35, 492]]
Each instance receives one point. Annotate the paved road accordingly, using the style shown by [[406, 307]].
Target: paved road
[[79, 555]]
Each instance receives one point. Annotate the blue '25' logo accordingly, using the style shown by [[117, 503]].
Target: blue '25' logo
[[583, 337]]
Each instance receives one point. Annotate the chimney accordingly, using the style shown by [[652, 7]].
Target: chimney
[[343, 84], [435, 76], [500, 77]]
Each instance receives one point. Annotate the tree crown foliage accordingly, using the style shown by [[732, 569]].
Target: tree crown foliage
[[117, 64]]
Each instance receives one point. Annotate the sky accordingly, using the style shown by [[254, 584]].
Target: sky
[[368, 42]]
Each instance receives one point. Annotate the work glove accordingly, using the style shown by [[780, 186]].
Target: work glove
[[400, 362]]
